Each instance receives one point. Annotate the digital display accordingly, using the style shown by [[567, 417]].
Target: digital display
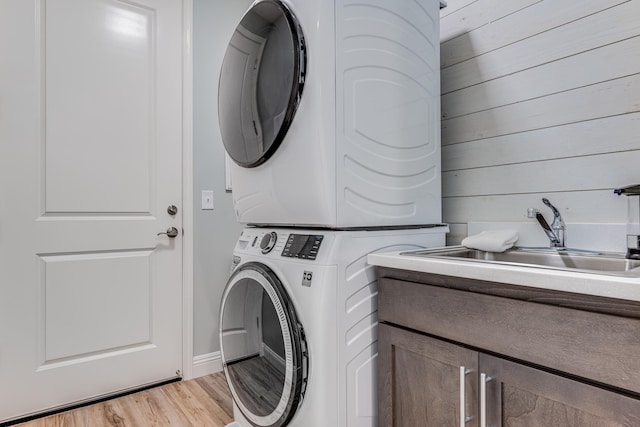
[[304, 246]]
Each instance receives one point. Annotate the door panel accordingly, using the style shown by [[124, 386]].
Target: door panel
[[419, 380], [110, 322], [98, 106], [519, 395], [91, 131]]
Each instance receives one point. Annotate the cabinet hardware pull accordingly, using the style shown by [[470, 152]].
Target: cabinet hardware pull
[[484, 379], [463, 407]]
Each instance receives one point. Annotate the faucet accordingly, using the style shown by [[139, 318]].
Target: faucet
[[633, 220], [556, 232]]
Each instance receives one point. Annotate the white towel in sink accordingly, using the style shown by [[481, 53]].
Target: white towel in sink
[[491, 240]]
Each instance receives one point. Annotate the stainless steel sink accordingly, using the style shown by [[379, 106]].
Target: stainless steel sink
[[564, 259]]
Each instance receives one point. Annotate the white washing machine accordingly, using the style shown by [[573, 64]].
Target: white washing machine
[[330, 111], [298, 320]]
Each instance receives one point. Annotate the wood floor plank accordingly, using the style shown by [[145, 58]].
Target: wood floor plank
[[158, 408], [213, 411], [182, 397], [216, 386], [205, 401]]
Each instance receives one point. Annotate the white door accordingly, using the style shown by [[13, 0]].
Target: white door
[[90, 159]]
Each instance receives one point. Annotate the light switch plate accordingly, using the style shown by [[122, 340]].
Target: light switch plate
[[207, 200]]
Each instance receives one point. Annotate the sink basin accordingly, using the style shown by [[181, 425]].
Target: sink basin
[[564, 259]]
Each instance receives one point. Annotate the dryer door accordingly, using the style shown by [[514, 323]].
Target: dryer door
[[264, 353], [261, 82]]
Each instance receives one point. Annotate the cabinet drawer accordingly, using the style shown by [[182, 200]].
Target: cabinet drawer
[[600, 347]]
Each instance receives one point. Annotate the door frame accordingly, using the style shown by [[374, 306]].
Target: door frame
[[187, 190]]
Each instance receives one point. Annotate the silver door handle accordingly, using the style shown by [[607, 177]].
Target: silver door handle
[[484, 379], [171, 232], [464, 419]]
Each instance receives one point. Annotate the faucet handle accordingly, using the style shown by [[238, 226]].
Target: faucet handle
[[556, 213], [630, 190], [531, 212]]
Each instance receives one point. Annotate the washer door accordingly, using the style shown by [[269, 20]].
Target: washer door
[[261, 82], [262, 344]]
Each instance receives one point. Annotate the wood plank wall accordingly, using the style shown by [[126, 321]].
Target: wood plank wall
[[540, 98]]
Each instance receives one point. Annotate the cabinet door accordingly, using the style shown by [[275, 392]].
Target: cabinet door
[[424, 381], [519, 395]]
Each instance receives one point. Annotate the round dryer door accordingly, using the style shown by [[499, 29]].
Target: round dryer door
[[264, 353], [260, 82]]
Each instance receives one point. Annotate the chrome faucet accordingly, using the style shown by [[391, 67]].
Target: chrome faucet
[[556, 232], [633, 220]]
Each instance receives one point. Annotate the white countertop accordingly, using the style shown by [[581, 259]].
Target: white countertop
[[610, 286]]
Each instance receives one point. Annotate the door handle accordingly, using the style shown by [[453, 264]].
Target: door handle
[[464, 419], [171, 232], [484, 379]]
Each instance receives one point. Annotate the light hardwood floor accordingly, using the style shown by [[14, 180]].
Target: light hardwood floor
[[202, 402]]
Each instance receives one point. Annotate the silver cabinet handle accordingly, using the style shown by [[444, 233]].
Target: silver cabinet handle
[[484, 379], [171, 232], [463, 398]]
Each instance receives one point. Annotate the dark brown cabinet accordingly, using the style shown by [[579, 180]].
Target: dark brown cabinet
[[518, 395], [424, 381], [442, 368]]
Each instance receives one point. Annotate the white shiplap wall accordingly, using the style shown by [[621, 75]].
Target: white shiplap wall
[[540, 98]]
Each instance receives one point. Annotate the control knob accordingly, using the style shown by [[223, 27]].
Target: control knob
[[268, 242]]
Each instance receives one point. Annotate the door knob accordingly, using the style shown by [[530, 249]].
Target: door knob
[[171, 232]]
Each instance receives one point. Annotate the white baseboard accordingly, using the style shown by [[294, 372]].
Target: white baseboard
[[278, 362], [206, 364]]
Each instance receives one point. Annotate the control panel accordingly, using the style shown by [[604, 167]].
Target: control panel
[[303, 246], [280, 243]]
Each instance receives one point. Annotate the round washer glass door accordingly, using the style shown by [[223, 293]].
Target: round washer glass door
[[261, 82], [262, 345]]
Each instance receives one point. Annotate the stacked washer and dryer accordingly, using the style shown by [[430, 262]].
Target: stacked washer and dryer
[[330, 113]]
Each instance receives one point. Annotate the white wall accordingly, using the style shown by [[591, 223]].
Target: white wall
[[540, 98], [216, 230]]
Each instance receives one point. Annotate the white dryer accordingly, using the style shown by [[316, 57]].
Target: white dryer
[[298, 320], [330, 111]]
